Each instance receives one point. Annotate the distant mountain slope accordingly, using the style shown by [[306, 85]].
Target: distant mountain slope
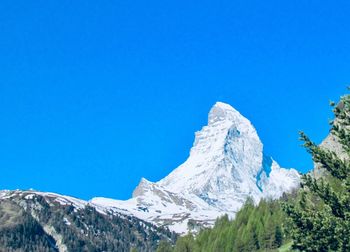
[[226, 166], [35, 221], [19, 231]]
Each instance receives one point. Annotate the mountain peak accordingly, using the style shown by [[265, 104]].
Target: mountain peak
[[143, 187], [223, 105], [226, 165], [225, 154], [223, 112]]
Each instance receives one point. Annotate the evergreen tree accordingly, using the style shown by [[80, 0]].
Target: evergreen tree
[[321, 219], [255, 228], [164, 247], [185, 244], [278, 236]]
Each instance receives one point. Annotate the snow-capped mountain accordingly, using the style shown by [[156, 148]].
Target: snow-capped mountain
[[226, 165]]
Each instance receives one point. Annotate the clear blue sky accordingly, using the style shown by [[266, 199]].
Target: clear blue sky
[[95, 95]]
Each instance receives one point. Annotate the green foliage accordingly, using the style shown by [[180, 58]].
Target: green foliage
[[321, 218], [164, 246], [185, 244], [255, 228], [278, 236]]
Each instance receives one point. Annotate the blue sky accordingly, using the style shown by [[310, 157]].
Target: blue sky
[[95, 95]]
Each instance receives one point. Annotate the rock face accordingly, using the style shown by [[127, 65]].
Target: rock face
[[330, 143], [226, 165]]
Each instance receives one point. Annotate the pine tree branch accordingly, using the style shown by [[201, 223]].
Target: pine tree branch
[[328, 159], [324, 191]]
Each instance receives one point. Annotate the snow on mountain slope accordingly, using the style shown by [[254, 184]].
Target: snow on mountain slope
[[164, 208], [224, 161], [61, 199], [226, 166]]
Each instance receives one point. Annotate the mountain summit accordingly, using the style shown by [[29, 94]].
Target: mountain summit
[[224, 161], [222, 111], [226, 165]]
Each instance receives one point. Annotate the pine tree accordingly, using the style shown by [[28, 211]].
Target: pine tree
[[164, 247], [185, 244], [321, 219], [278, 236]]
